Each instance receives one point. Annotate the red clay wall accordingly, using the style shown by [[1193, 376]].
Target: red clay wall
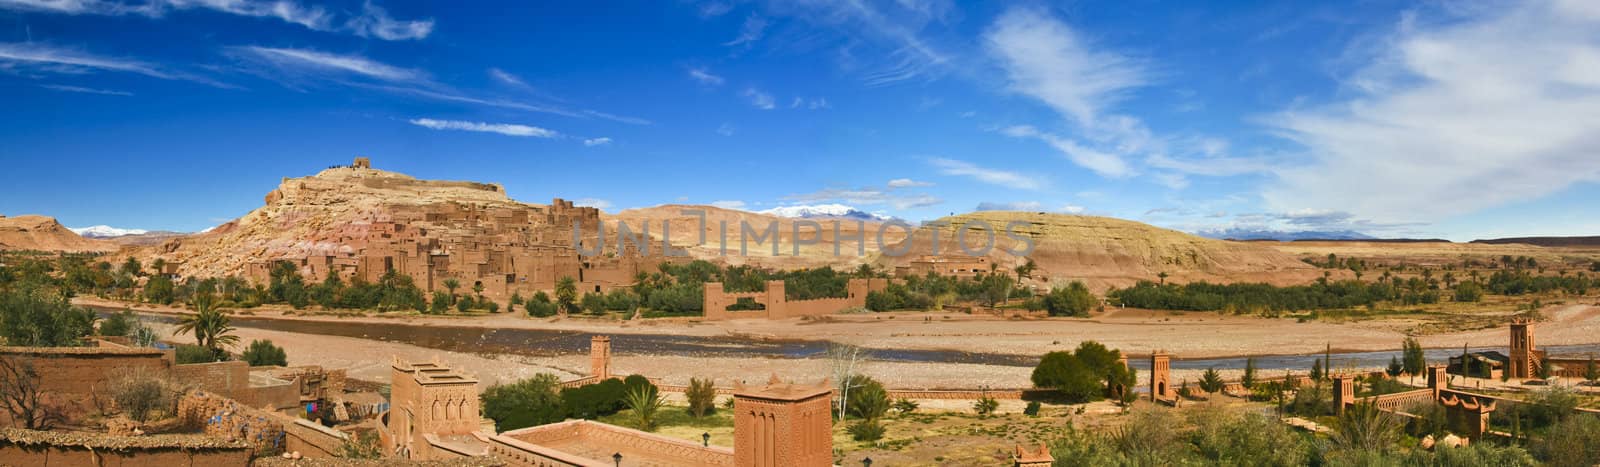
[[77, 456], [75, 376], [229, 379]]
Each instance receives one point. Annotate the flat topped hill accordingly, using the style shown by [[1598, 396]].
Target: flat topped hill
[[1106, 252], [43, 233]]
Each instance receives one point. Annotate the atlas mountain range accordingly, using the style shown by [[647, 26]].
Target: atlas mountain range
[[296, 221]]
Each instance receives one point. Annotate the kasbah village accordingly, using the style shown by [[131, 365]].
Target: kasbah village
[[366, 317]]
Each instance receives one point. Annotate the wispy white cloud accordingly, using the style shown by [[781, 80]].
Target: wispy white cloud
[[729, 204], [1453, 112], [507, 78], [908, 183], [999, 177], [759, 99], [869, 196], [508, 129], [593, 203], [84, 90], [375, 75], [1027, 206], [323, 61], [726, 129], [887, 38], [373, 21], [704, 76], [817, 103], [754, 26], [601, 141], [51, 59], [1101, 162]]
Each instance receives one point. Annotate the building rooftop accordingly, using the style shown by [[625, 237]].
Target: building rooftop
[[779, 390]]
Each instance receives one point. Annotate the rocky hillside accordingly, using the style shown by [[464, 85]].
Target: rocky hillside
[[329, 213], [45, 234], [686, 230], [1106, 252]]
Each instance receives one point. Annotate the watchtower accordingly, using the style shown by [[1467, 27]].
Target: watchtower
[[783, 424]]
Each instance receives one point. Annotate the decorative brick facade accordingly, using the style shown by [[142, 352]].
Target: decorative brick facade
[[1524, 359], [428, 398], [783, 425], [1161, 376], [600, 357]]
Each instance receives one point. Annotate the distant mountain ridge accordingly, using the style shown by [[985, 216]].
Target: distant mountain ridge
[[1593, 241], [105, 231], [824, 211], [41, 233], [1282, 235]]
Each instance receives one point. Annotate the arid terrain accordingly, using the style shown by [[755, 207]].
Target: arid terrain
[[40, 233]]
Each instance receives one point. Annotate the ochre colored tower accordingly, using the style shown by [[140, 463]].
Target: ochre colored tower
[[428, 398], [1161, 376], [1524, 360], [600, 357], [1344, 392], [783, 425]]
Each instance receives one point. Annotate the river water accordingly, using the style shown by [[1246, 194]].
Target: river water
[[544, 342]]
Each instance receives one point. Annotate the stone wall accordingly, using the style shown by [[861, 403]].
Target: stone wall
[[225, 418], [312, 440], [230, 379], [777, 306], [54, 449], [75, 379]]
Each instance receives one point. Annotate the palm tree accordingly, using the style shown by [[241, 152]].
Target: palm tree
[[210, 327], [1163, 276], [451, 284]]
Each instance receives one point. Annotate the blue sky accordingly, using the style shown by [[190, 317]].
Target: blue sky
[[1394, 118]]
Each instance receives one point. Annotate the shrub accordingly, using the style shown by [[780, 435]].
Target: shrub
[[867, 398], [363, 446], [644, 401], [263, 353], [702, 397], [1574, 442], [118, 324], [904, 406], [1032, 410], [540, 306], [592, 401], [1086, 374], [1234, 438], [138, 395], [530, 402], [985, 405], [866, 430], [187, 354]]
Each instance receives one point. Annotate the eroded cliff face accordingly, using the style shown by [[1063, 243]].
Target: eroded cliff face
[[41, 233], [1104, 252], [362, 222]]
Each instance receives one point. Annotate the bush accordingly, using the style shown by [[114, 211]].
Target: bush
[[540, 306], [1469, 292], [1073, 300], [985, 405], [1086, 374], [1032, 410], [530, 402], [363, 446], [596, 400], [866, 430], [644, 401], [37, 317], [263, 353], [1235, 438], [187, 354], [702, 396], [867, 398], [118, 324], [1574, 442], [904, 406], [138, 395]]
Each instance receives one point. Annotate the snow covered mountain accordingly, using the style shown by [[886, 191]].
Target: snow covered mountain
[[829, 211], [105, 231]]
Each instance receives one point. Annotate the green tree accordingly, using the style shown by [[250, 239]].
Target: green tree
[[645, 403], [451, 284], [702, 397], [1469, 291], [530, 402], [867, 398], [566, 293], [1163, 276], [985, 405], [1591, 372], [1025, 271], [1395, 367], [1089, 373], [263, 353], [1316, 370], [1211, 381], [33, 316], [131, 267], [1073, 300], [1413, 359], [158, 289], [1249, 379], [118, 324], [440, 303], [211, 328], [904, 406], [477, 289]]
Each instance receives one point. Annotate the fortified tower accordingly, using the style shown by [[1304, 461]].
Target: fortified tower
[[600, 358], [1161, 376], [1524, 360], [427, 399], [783, 425]]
